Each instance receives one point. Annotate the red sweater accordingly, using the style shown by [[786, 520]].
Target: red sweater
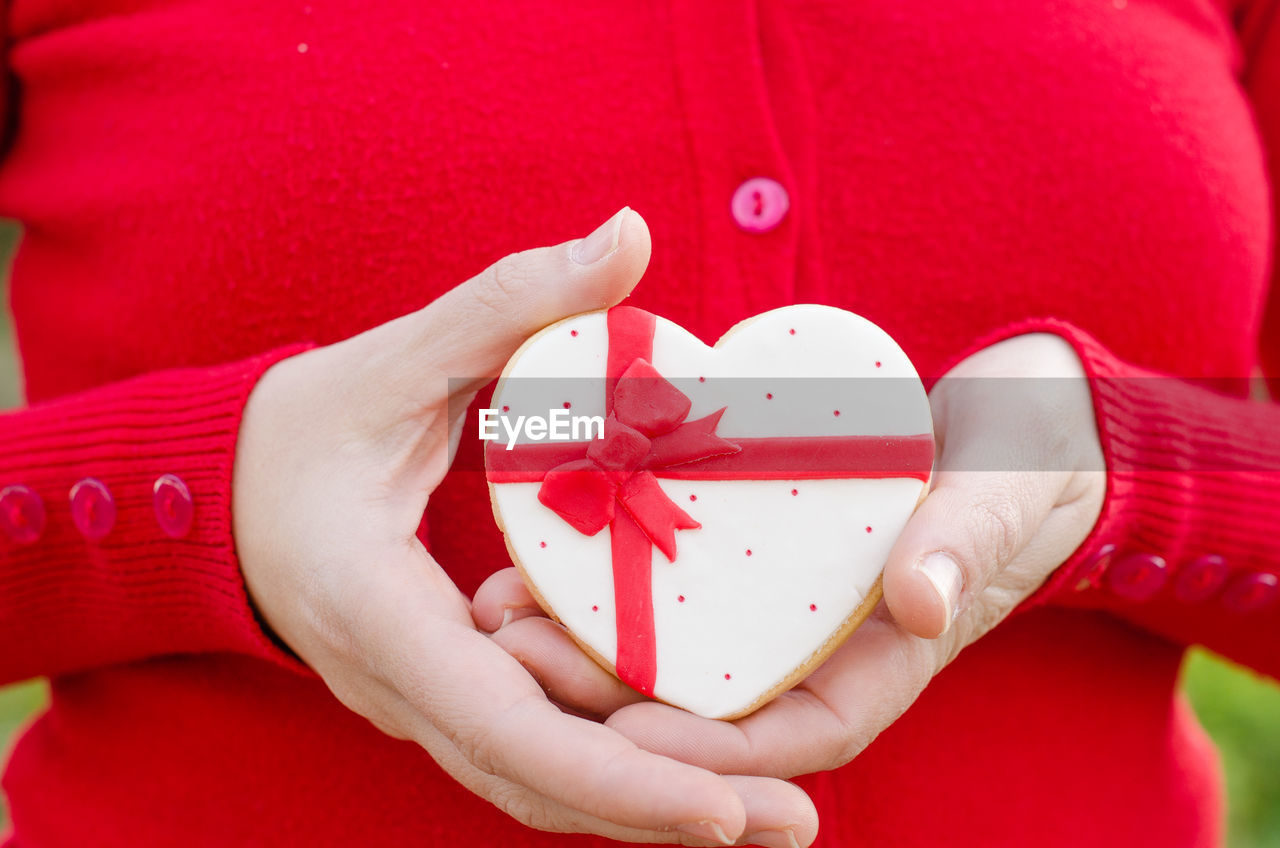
[[204, 184]]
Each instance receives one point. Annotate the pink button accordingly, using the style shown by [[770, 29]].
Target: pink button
[[1137, 577], [759, 204], [1095, 567], [93, 510], [1251, 592], [21, 514], [174, 509], [1200, 579]]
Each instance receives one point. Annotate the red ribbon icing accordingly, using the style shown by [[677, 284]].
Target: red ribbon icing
[[646, 429], [613, 481]]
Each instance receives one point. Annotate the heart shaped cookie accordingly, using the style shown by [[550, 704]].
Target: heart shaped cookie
[[709, 523]]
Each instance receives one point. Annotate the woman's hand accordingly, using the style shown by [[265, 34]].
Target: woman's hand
[[339, 450], [1018, 486]]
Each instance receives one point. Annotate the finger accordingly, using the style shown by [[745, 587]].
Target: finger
[[823, 723], [502, 599], [485, 704], [564, 671], [996, 482], [514, 732], [779, 814], [472, 330], [968, 530]]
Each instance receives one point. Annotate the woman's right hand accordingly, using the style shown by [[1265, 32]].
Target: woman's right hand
[[340, 449]]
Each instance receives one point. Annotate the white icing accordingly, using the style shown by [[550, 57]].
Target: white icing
[[557, 368], [745, 616]]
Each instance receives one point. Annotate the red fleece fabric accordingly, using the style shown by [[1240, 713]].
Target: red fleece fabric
[[206, 185]]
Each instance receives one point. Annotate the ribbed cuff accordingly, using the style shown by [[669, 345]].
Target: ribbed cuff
[[68, 602], [1192, 473]]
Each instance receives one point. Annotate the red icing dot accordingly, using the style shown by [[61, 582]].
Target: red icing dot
[[574, 333], [813, 607], [506, 409], [567, 404], [877, 363], [728, 676], [868, 528], [795, 492], [768, 395], [748, 552], [693, 497], [836, 413], [595, 608], [702, 379], [793, 332], [542, 544], [680, 598]]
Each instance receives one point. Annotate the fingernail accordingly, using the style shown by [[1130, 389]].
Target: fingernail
[[600, 243], [708, 830], [508, 616], [941, 570], [774, 839]]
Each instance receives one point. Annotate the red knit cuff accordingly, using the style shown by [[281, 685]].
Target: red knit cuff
[[69, 601]]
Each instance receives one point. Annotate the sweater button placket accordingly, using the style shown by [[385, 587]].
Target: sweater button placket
[[745, 182]]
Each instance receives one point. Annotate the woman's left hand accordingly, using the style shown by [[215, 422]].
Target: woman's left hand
[[1018, 485]]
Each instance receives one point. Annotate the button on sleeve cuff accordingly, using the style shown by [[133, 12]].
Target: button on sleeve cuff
[[115, 530]]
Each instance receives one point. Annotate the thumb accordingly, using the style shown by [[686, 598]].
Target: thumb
[[471, 331]]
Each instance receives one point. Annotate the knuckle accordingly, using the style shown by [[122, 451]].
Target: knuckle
[[474, 745], [483, 743], [514, 801], [520, 804], [501, 290], [999, 533]]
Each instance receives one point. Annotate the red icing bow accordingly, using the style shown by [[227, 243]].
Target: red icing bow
[[646, 430]]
